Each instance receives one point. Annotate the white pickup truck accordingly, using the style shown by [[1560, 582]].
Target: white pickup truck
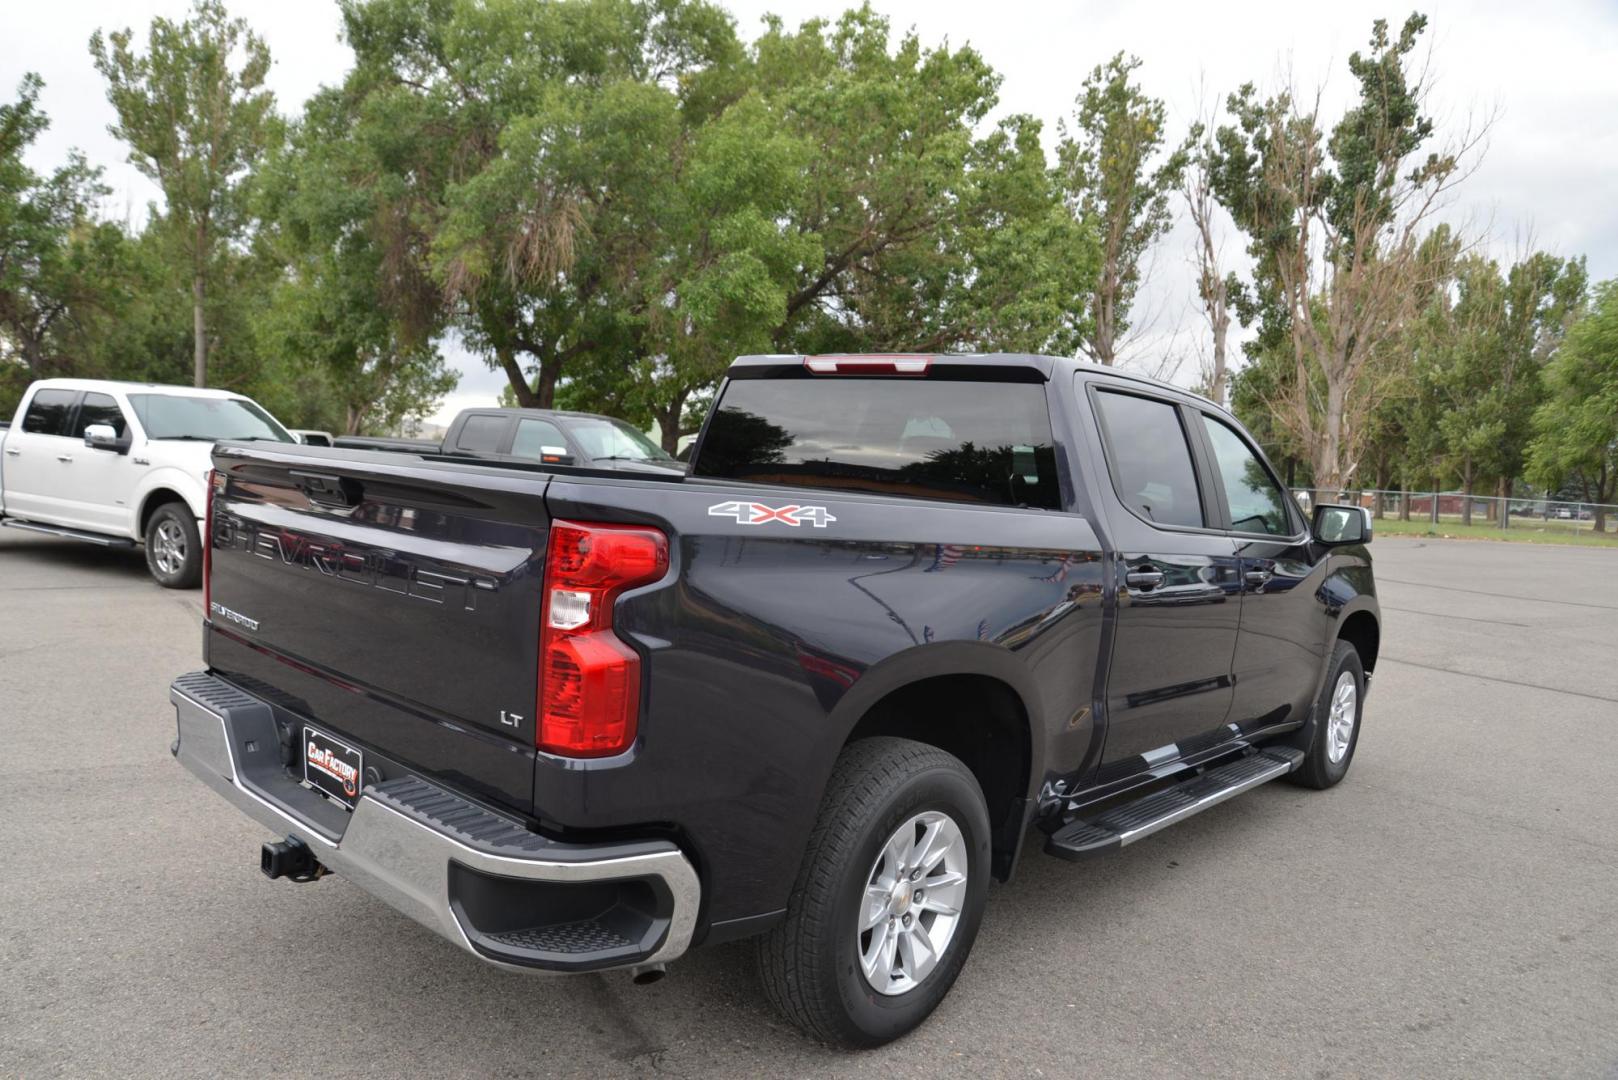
[[121, 464]]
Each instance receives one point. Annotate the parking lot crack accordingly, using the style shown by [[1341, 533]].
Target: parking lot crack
[[1498, 679]]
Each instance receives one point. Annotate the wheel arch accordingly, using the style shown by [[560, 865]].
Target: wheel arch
[[154, 498], [1362, 630], [973, 700]]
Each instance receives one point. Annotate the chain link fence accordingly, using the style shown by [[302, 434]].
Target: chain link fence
[[1441, 510]]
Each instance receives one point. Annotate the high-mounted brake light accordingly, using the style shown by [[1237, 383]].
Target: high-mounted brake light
[[867, 365], [589, 678]]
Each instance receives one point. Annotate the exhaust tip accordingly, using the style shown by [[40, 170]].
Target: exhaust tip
[[647, 974]]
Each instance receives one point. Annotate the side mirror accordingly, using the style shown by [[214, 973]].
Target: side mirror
[[1337, 524], [104, 437], [555, 455]]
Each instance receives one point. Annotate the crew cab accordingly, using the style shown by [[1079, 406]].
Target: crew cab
[[120, 464], [904, 618], [548, 436]]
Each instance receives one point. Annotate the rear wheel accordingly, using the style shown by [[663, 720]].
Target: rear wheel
[[173, 547], [889, 897], [1337, 721]]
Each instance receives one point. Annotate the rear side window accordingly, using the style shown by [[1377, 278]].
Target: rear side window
[[962, 441], [48, 412], [534, 435], [481, 434], [1150, 459], [101, 409]]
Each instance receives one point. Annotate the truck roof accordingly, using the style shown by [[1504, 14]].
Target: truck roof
[[522, 410], [1045, 365], [131, 387]]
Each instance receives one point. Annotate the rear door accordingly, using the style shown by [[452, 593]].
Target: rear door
[[392, 605], [482, 433], [1169, 685], [40, 453]]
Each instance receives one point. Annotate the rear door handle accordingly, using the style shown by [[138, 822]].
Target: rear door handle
[[1257, 577], [1144, 579], [12, 453], [64, 457]]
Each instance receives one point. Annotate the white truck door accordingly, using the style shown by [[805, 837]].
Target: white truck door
[[40, 454], [103, 480]]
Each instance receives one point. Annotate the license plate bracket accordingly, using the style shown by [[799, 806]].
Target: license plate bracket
[[332, 767]]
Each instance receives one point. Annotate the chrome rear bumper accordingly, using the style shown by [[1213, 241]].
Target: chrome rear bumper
[[479, 879]]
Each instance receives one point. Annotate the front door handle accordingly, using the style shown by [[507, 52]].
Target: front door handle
[[12, 453], [1257, 577], [64, 457], [1144, 579]]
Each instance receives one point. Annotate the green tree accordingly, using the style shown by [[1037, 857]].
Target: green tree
[[196, 123], [932, 237], [337, 314], [611, 199], [59, 266], [1485, 356], [1469, 354], [1577, 425], [1118, 177], [518, 155], [1336, 220]]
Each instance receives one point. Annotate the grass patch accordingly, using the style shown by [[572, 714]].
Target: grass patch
[[1522, 531]]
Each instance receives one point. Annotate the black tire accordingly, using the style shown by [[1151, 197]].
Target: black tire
[[186, 573], [1319, 771], [810, 962]]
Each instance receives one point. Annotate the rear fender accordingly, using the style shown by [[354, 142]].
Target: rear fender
[[945, 658]]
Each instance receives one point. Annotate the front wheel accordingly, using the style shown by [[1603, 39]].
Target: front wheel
[[1337, 721], [173, 547], [889, 897]]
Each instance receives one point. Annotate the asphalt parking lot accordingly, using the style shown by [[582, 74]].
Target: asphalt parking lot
[[1450, 910]]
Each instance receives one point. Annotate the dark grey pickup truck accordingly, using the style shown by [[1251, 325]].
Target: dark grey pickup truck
[[547, 436], [903, 614]]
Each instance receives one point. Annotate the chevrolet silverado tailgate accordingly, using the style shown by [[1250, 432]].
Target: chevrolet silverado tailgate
[[389, 602]]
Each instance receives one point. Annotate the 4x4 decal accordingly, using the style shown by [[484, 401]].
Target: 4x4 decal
[[752, 513]]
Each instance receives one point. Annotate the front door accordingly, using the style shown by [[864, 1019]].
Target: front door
[[103, 480], [1179, 588], [1278, 650]]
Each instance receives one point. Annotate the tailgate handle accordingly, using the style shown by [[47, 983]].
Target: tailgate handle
[[329, 490]]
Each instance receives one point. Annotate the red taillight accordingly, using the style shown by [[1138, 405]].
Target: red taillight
[[867, 365], [589, 678], [216, 480]]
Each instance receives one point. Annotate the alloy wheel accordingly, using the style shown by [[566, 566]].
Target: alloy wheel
[[912, 902]]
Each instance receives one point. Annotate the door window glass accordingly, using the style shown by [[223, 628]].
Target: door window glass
[[1150, 459], [533, 436], [48, 412], [101, 409], [1256, 502]]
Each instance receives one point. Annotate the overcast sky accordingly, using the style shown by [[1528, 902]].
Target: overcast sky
[[1548, 71]]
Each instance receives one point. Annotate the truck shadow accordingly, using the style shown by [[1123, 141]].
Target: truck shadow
[[710, 1014], [114, 565]]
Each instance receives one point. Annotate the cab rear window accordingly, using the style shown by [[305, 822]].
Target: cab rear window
[[928, 438]]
